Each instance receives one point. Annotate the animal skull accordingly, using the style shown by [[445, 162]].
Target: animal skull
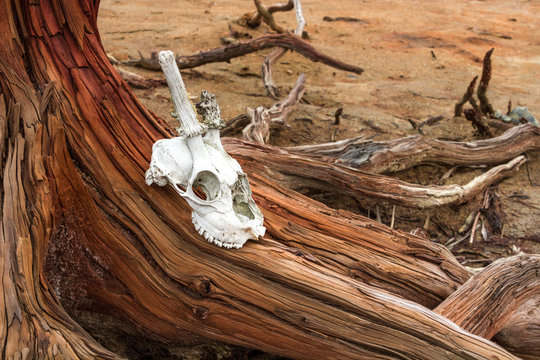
[[200, 170]]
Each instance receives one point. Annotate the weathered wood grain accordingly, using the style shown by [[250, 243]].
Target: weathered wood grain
[[81, 230], [501, 300]]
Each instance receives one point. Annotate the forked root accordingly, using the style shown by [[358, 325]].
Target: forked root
[[261, 118]]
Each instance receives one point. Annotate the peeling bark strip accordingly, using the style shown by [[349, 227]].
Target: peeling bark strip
[[80, 230], [258, 130], [405, 153], [498, 297], [226, 53]]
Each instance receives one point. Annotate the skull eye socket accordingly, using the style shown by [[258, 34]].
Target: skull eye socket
[[206, 186]]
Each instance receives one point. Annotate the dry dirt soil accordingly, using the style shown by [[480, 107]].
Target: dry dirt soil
[[418, 56]]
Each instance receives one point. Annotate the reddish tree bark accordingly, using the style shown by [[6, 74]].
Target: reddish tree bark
[[80, 230]]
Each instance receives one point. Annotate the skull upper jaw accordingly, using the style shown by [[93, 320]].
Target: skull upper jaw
[[227, 230]]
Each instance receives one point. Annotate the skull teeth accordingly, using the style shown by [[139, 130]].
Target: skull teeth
[[211, 239]]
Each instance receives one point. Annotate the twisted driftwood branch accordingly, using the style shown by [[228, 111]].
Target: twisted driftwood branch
[[268, 17], [226, 53], [401, 154], [302, 172]]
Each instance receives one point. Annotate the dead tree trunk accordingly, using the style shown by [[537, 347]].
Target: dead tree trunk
[[81, 230]]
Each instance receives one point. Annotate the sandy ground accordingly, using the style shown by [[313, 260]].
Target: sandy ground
[[418, 56]]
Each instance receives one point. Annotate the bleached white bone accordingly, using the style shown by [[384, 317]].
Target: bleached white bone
[[226, 214], [189, 124]]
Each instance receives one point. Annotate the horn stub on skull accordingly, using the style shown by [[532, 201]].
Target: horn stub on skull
[[209, 110]]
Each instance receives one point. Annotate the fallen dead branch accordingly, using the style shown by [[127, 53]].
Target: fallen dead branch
[[345, 19], [405, 153], [261, 119], [138, 81], [477, 113], [297, 172], [501, 293], [226, 53]]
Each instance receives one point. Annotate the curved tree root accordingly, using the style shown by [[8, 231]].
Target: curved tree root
[[498, 300]]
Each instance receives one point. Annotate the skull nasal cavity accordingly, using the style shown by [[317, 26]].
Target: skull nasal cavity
[[241, 208], [206, 186]]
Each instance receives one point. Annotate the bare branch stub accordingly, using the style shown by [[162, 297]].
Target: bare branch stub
[[261, 119], [475, 106], [271, 89], [485, 105], [149, 63], [337, 115], [458, 110], [479, 122]]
